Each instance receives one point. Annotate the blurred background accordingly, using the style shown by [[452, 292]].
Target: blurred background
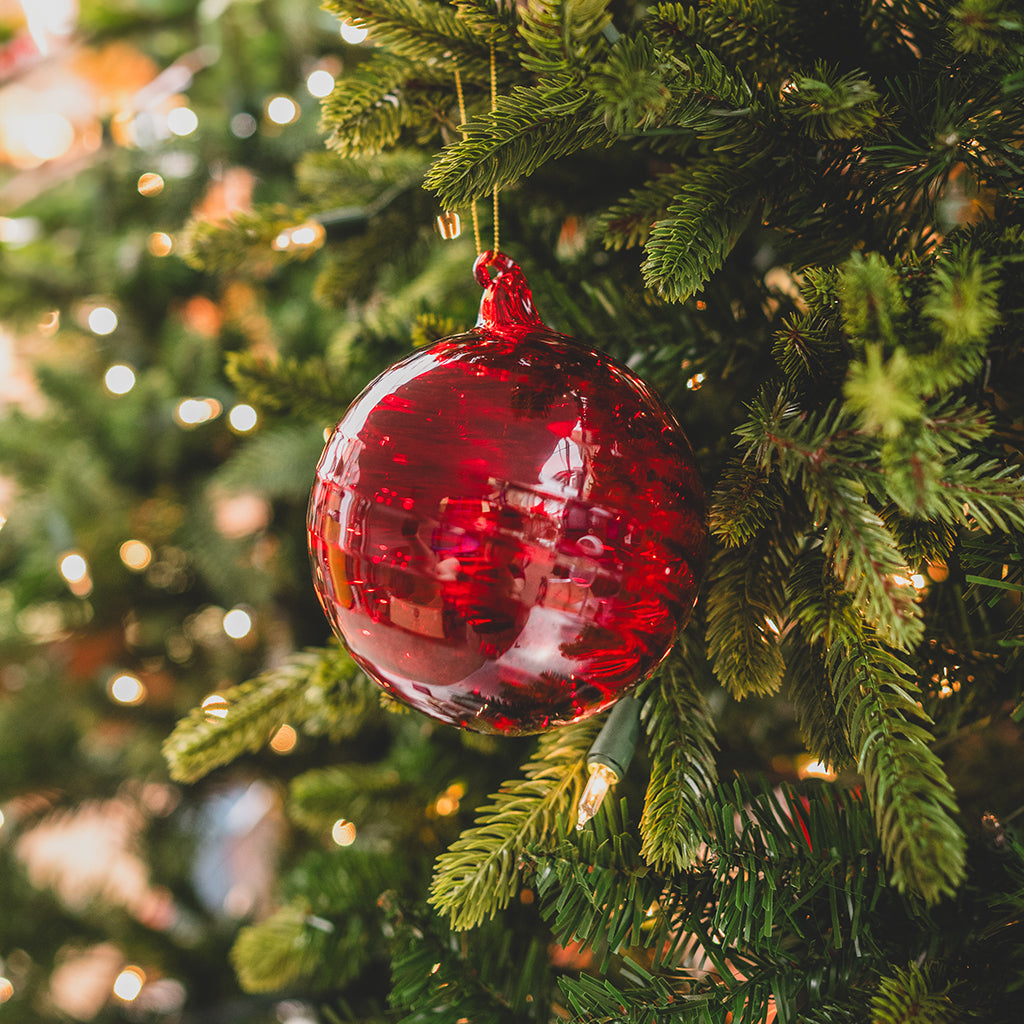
[[140, 571]]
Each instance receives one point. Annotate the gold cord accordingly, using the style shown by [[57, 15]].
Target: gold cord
[[494, 105], [462, 119]]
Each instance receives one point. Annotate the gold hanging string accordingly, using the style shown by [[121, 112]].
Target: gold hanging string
[[494, 105], [462, 120], [462, 117]]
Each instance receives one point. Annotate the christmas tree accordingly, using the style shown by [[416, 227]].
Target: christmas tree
[[801, 226]]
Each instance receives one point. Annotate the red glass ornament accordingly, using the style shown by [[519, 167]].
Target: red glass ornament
[[507, 528]]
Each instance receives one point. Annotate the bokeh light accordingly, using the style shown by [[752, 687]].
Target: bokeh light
[[237, 623], [128, 984], [151, 184], [102, 320], [182, 121], [282, 110], [353, 31], [119, 379], [343, 832], [127, 689], [243, 418], [320, 83], [135, 554]]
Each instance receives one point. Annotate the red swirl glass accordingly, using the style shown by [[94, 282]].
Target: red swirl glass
[[506, 529]]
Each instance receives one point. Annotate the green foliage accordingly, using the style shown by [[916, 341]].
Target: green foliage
[[681, 745], [909, 997], [320, 689], [480, 872]]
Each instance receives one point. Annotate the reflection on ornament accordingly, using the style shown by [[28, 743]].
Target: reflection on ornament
[[215, 706], [507, 528]]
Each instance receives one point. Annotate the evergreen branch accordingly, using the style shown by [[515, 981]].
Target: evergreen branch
[[279, 951], [529, 126], [745, 501], [909, 994], [245, 240], [703, 224], [681, 745], [417, 32], [312, 685], [275, 462], [911, 799], [837, 470], [823, 728], [480, 872], [564, 36], [361, 789], [368, 115], [832, 105], [595, 889], [628, 222], [307, 389], [745, 599], [438, 976]]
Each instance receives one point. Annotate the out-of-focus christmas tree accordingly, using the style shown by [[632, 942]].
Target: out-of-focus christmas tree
[[801, 223], [137, 575]]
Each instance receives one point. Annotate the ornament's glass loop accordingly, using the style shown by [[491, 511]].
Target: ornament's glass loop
[[507, 303]]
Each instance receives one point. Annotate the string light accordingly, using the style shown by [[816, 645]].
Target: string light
[[343, 832], [243, 418], [237, 623], [73, 567], [193, 411], [119, 379], [282, 110], [284, 740], [602, 778], [135, 554], [50, 324], [215, 706], [102, 320], [320, 83], [243, 125], [182, 121], [302, 236], [353, 31], [609, 756], [127, 689], [6, 985], [150, 184], [128, 984], [811, 767], [160, 243]]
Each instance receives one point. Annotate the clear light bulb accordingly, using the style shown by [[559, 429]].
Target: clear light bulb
[[602, 778]]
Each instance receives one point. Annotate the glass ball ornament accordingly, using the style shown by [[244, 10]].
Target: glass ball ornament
[[506, 529]]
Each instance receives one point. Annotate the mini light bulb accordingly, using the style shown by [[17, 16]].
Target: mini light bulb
[[602, 778]]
